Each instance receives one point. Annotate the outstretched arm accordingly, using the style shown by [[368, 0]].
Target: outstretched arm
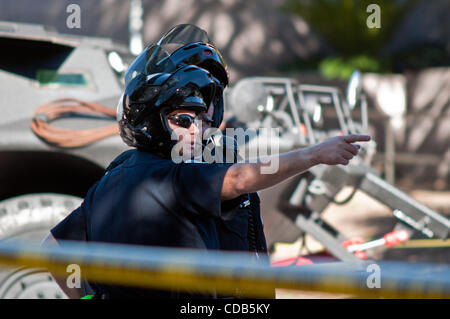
[[242, 178]]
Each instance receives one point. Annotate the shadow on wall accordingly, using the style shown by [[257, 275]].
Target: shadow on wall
[[434, 26], [255, 37], [423, 131], [101, 18]]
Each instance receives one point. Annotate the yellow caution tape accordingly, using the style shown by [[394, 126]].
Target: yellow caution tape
[[224, 272]]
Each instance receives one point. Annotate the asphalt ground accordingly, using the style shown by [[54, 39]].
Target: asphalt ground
[[367, 218]]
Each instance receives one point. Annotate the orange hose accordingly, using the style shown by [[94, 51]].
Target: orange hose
[[67, 138]]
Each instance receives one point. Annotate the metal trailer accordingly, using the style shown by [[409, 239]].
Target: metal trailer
[[298, 109]]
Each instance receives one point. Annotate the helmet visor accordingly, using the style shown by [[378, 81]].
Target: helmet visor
[[155, 58]]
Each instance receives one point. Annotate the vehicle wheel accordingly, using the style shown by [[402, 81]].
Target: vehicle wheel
[[30, 217]]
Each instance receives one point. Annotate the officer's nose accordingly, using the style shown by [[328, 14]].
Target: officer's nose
[[194, 128]]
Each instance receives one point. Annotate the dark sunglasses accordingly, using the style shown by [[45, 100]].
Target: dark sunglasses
[[185, 120]]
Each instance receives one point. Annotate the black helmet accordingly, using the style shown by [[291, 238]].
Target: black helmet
[[184, 44], [147, 100]]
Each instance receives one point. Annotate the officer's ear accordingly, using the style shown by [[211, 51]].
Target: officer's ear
[[210, 111]]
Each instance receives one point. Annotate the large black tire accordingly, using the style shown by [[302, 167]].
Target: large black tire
[[30, 217]]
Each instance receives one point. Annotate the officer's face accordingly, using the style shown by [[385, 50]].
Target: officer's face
[[187, 136]]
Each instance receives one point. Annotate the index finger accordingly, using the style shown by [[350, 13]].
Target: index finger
[[356, 138]]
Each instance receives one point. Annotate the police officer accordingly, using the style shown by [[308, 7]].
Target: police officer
[[243, 232], [147, 196], [240, 228]]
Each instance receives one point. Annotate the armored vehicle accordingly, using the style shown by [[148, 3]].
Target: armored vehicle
[[46, 163]]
